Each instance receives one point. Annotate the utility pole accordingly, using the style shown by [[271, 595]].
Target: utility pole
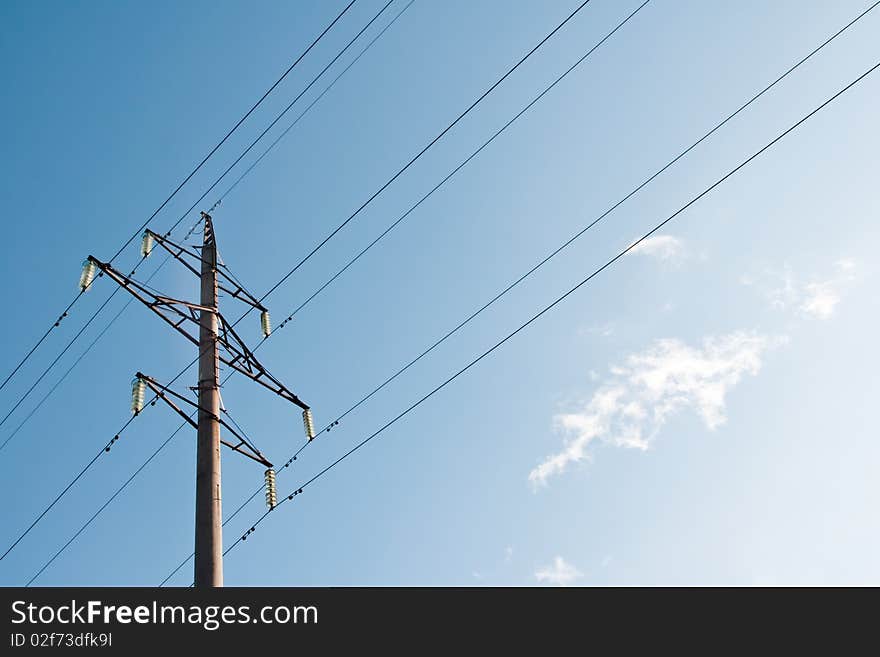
[[209, 512], [218, 342]]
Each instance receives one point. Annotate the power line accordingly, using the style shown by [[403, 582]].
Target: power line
[[556, 251], [578, 234], [179, 187], [236, 126], [280, 115], [104, 506], [103, 450], [425, 149], [242, 506], [552, 305], [42, 338], [594, 274], [177, 223], [78, 359], [615, 206], [461, 166], [46, 371], [396, 175], [309, 107], [64, 376], [400, 172], [399, 372]]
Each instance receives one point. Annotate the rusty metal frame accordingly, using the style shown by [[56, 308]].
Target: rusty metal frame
[[239, 357], [244, 446], [244, 361], [158, 304], [237, 291]]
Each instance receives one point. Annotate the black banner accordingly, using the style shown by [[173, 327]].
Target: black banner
[[135, 619]]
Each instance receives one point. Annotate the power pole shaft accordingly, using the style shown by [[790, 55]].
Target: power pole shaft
[[209, 515], [215, 347]]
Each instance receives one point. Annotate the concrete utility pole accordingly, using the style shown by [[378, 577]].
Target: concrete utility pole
[[209, 513], [218, 342]]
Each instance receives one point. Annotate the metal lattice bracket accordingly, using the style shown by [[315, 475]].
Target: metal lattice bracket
[[182, 315], [243, 360], [166, 394], [229, 286], [173, 311]]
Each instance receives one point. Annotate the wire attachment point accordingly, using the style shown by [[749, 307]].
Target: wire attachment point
[[147, 243], [87, 275], [138, 391], [271, 492], [309, 424]]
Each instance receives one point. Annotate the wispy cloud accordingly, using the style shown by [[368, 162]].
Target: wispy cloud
[[605, 330], [663, 247], [559, 573], [630, 408], [820, 299], [508, 554], [815, 298]]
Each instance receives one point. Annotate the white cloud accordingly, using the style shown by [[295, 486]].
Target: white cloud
[[629, 409], [605, 330], [846, 266], [560, 573], [663, 247], [508, 554], [820, 299], [816, 298]]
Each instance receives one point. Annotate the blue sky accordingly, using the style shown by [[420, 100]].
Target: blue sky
[[698, 414]]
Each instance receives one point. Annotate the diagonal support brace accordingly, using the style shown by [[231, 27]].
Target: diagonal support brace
[[179, 313], [166, 394]]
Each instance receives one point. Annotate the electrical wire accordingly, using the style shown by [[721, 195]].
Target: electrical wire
[[42, 338], [578, 234], [387, 381], [81, 356], [375, 195], [678, 157], [68, 371], [280, 116], [309, 107], [406, 166], [461, 166], [189, 233], [240, 508], [552, 305], [104, 506], [119, 490], [563, 246], [46, 371], [425, 149], [236, 126], [179, 187], [103, 450], [177, 223], [401, 171]]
